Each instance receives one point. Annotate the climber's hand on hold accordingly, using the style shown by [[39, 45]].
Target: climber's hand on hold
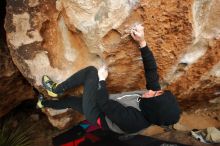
[[137, 33], [103, 73]]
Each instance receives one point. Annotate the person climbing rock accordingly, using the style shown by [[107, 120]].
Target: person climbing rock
[[123, 113]]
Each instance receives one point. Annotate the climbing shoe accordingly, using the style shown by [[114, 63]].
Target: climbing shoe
[[49, 85], [39, 102]]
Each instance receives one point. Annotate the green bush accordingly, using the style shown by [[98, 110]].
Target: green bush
[[16, 134]]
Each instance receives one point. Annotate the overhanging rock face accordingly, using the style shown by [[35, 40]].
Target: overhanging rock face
[[60, 37], [13, 86]]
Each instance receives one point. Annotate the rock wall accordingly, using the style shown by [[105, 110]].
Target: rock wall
[[13, 86], [60, 37]]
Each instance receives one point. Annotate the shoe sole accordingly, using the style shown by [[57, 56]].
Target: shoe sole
[[39, 105]]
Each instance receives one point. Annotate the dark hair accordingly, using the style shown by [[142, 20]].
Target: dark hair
[[161, 110]]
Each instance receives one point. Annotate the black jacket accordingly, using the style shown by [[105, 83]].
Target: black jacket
[[129, 119]]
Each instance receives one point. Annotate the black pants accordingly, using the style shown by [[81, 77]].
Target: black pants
[[85, 104]]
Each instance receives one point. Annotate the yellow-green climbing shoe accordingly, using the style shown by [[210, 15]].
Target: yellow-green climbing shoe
[[39, 102], [49, 85]]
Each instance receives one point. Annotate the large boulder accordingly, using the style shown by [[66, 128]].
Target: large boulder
[[60, 37], [13, 86]]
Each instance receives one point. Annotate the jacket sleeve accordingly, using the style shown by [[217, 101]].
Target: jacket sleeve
[[150, 68], [128, 119]]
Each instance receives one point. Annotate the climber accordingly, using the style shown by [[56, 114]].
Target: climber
[[123, 114]]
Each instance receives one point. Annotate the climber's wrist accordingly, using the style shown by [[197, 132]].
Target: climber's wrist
[[142, 43]]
